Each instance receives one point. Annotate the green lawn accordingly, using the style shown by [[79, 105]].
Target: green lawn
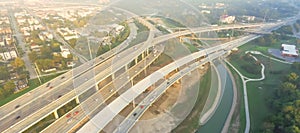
[[259, 92], [191, 47]]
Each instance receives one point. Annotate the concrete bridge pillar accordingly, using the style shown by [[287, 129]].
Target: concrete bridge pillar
[[77, 100], [126, 67], [143, 55], [97, 87], [147, 51], [133, 103], [113, 76], [136, 60], [131, 80], [56, 114]]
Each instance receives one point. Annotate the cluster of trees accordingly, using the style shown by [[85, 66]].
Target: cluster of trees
[[45, 59], [7, 89], [115, 40], [141, 27], [229, 33], [251, 66], [9, 86], [266, 40], [285, 30], [286, 107]]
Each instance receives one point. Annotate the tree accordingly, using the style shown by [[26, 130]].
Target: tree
[[46, 52], [4, 74], [9, 87], [33, 56], [288, 86], [261, 41], [45, 64], [18, 63], [292, 77], [73, 42]]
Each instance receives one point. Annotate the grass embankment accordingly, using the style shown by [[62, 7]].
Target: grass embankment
[[245, 64], [38, 127], [191, 123]]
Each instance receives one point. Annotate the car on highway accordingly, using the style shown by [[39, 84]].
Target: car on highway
[[69, 121], [76, 113], [18, 117], [134, 114], [68, 115], [62, 77], [48, 85], [17, 106], [59, 96]]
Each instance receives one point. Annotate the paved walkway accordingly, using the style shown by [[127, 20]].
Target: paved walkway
[[245, 80]]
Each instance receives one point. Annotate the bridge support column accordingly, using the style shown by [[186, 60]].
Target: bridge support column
[[145, 71], [97, 87], [143, 55], [133, 103], [126, 68], [136, 60], [131, 80], [56, 114], [147, 51], [113, 76], [77, 100]]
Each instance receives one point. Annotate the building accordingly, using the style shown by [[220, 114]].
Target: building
[[70, 64], [205, 11], [9, 55], [289, 50], [64, 51], [21, 84], [227, 19]]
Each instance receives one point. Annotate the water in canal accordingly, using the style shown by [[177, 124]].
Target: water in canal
[[215, 124]]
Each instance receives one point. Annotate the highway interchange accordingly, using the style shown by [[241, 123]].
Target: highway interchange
[[43, 101]]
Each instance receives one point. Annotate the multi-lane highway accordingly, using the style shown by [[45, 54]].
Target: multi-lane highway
[[108, 113], [98, 122], [95, 101]]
